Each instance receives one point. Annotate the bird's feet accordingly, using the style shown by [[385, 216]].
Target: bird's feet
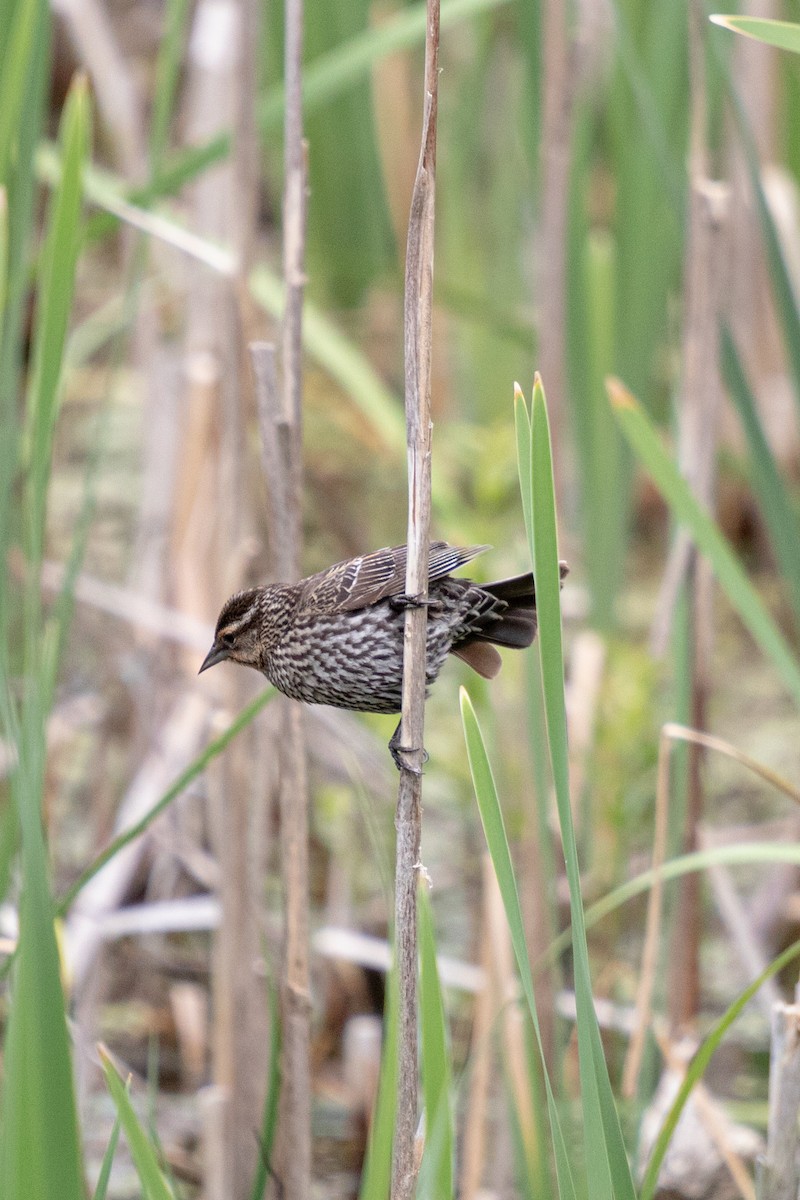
[[399, 754], [401, 603]]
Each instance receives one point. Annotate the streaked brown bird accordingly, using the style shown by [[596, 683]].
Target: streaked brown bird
[[337, 637]]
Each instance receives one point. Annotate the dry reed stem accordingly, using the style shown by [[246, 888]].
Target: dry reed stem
[[209, 557], [779, 1178], [280, 443], [91, 32], [280, 419], [701, 395], [417, 346], [644, 994]]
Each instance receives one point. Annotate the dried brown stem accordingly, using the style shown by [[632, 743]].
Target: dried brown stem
[[417, 323], [280, 417], [779, 1177], [644, 994], [280, 441]]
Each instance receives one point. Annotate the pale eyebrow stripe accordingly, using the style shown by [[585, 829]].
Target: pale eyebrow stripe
[[239, 623]]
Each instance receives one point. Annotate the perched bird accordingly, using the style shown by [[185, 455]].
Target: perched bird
[[337, 637]]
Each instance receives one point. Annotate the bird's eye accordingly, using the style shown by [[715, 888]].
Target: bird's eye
[[226, 639]]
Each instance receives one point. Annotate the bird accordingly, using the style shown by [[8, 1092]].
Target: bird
[[337, 637]]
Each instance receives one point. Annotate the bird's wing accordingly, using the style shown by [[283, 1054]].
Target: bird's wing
[[360, 582]]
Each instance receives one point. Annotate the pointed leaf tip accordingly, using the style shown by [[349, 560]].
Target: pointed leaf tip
[[619, 395], [518, 392]]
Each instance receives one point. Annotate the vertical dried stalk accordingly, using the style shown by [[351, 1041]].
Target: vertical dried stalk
[[779, 1178], [697, 453], [281, 423], [417, 326], [210, 528]]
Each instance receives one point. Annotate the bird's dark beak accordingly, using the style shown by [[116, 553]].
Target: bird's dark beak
[[215, 655]]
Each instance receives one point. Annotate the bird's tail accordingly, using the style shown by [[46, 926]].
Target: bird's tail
[[516, 626], [513, 627]]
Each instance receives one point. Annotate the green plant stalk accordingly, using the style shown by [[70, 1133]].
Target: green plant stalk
[[101, 1191], [377, 1174], [40, 1150], [609, 1174], [436, 1170], [779, 512], [269, 1119], [497, 841]]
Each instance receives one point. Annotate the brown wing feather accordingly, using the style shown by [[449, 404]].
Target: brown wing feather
[[360, 582]]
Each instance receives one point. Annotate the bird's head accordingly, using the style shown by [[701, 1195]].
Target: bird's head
[[238, 634]]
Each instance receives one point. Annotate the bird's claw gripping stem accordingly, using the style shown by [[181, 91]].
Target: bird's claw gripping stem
[[398, 753], [401, 603]]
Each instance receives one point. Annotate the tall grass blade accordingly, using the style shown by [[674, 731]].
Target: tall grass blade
[[497, 842], [186, 776], [16, 63], [40, 1152], [609, 1174], [738, 855], [436, 1171], [154, 1185], [780, 513], [377, 1174], [168, 67], [699, 1064], [684, 507], [782, 287], [101, 1190], [269, 1120]]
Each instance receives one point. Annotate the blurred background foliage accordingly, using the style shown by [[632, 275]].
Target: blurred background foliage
[[132, 500]]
